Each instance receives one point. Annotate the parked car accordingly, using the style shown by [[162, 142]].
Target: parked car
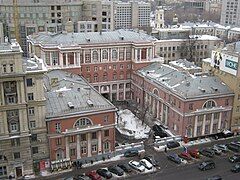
[[217, 150], [131, 152], [172, 144], [223, 147], [185, 155], [227, 133], [93, 175], [207, 152], [151, 160], [104, 173], [125, 167], [235, 158], [136, 165], [194, 153], [216, 177], [236, 168], [174, 158], [146, 164], [116, 170], [81, 177], [233, 147], [235, 144], [205, 165], [158, 131]]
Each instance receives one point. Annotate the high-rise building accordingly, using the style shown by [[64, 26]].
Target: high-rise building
[[23, 136], [230, 14], [130, 15]]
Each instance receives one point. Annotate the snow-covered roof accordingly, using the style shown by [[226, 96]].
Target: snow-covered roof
[[204, 37], [235, 29], [184, 64], [183, 84]]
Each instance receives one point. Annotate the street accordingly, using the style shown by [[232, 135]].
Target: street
[[168, 169]]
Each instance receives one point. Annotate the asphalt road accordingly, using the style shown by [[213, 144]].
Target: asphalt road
[[169, 170]]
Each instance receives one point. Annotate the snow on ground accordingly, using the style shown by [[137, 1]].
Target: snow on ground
[[130, 125]]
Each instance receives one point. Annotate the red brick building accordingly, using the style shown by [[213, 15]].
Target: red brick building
[[105, 59], [189, 105], [80, 122]]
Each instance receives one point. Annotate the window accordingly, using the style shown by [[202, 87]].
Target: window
[[83, 137], [16, 155], [83, 149], [15, 142], [72, 139], [58, 8], [11, 67], [30, 96], [95, 68], [34, 150], [31, 111], [14, 127], [72, 152], [94, 148], [32, 124], [191, 106], [52, 7], [121, 66], [3, 170], [226, 102], [114, 67], [106, 146], [88, 69], [29, 82], [105, 119], [104, 55], [209, 104], [82, 122], [4, 66], [58, 127], [58, 141], [95, 56], [114, 54], [34, 137], [94, 135], [106, 133]]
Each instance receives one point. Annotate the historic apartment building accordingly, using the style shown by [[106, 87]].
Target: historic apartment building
[[23, 139], [80, 122], [105, 59], [224, 63], [189, 105]]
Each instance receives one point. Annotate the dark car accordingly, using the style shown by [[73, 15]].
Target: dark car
[[151, 160], [116, 170], [125, 167], [131, 153], [205, 165], [172, 144], [236, 168], [216, 177], [235, 158], [104, 173], [233, 147], [207, 152], [174, 158], [158, 131], [93, 175], [81, 177]]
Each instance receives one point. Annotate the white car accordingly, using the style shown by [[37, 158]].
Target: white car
[[146, 164], [136, 165]]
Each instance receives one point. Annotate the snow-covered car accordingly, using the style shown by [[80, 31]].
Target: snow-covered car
[[136, 165], [146, 164], [223, 147], [217, 150]]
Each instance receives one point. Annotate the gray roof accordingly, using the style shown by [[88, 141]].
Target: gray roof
[[237, 46], [64, 39], [183, 63], [71, 89], [183, 84]]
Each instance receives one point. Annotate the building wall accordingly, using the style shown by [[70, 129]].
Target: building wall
[[101, 122], [183, 116]]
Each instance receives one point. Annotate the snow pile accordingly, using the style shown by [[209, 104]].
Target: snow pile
[[130, 125]]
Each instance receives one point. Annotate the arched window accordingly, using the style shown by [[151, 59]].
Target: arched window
[[209, 104], [105, 76], [114, 55], [104, 55], [95, 56], [106, 146], [82, 122], [155, 91]]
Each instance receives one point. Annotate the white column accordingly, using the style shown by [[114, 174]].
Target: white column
[[157, 109], [219, 122], [166, 116], [78, 147], [136, 52], [66, 59], [78, 59], [124, 91], [89, 145], [195, 126], [74, 59], [50, 57], [147, 55], [211, 123], [22, 91], [140, 55], [150, 55], [125, 53], [110, 54], [100, 142], [61, 59], [161, 112], [83, 56], [2, 93], [67, 147], [203, 125]]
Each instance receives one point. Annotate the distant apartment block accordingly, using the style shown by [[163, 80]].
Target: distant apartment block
[[230, 15]]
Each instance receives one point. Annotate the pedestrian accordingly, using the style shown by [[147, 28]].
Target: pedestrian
[[165, 150]]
